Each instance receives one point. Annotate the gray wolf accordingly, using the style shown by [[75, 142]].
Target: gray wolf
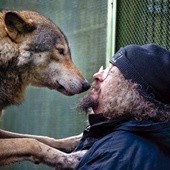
[[34, 51]]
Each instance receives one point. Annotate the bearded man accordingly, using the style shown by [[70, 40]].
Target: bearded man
[[129, 112]]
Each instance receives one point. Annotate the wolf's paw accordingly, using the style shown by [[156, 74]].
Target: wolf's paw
[[71, 160]]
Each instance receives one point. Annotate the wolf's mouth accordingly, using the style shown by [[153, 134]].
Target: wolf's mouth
[[60, 87], [63, 90]]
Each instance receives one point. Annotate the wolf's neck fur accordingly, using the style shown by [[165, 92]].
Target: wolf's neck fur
[[12, 79], [12, 87]]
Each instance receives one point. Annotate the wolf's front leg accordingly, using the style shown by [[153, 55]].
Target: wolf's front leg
[[66, 144], [25, 149]]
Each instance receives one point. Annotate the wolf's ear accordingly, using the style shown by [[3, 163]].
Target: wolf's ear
[[16, 26]]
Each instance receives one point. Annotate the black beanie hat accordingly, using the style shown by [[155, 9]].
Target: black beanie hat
[[149, 67]]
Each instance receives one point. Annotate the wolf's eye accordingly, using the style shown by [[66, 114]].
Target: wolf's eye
[[61, 51]]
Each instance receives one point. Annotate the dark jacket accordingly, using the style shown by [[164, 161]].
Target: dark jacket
[[125, 145]]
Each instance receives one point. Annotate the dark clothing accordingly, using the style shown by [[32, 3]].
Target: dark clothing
[[125, 145]]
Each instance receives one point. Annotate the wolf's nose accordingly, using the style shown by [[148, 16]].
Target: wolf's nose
[[85, 85]]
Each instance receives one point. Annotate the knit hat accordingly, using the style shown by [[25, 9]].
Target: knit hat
[[148, 66]]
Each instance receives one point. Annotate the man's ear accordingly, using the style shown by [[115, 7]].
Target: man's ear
[[16, 26]]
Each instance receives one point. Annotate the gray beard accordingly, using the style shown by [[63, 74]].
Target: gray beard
[[86, 104]]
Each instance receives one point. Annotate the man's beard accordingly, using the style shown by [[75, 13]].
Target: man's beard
[[86, 104]]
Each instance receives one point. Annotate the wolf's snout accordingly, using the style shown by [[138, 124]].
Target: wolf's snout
[[85, 86]]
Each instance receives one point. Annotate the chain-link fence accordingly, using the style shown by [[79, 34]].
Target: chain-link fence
[[143, 21]]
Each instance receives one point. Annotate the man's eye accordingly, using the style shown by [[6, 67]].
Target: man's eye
[[61, 51]]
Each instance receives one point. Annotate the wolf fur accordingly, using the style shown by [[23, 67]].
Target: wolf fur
[[34, 51]]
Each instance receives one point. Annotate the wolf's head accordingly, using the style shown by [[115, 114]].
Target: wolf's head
[[43, 52]]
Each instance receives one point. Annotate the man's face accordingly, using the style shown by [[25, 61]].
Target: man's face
[[102, 90]]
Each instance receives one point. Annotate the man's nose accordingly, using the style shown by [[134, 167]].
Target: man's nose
[[98, 76]]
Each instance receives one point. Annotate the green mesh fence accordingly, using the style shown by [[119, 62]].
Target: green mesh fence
[[143, 21]]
